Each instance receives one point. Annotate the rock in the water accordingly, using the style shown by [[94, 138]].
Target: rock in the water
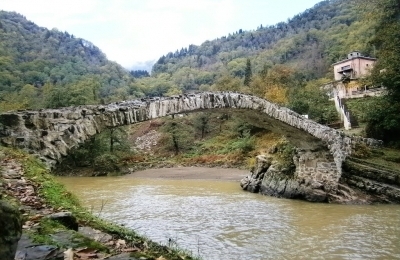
[[270, 177], [252, 182], [66, 219], [10, 231]]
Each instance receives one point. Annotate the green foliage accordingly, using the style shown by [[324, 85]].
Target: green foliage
[[242, 127], [178, 135], [313, 101], [309, 43], [243, 145], [201, 123], [360, 107], [156, 86], [383, 122], [386, 40], [248, 73], [103, 152], [227, 83], [106, 162], [49, 68], [285, 152]]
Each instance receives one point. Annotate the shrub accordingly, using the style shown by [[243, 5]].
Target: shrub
[[106, 162]]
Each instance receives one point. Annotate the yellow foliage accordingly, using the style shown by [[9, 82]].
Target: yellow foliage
[[173, 92], [258, 86], [276, 94], [352, 84], [13, 102], [267, 141]]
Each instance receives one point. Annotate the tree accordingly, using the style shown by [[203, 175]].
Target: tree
[[383, 122], [178, 135], [273, 84], [227, 83], [313, 101], [29, 95], [118, 139], [83, 92], [247, 73], [201, 123], [387, 41]]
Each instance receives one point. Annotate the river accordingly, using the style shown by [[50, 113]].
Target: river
[[217, 220]]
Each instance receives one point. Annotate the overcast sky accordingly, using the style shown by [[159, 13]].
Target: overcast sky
[[133, 32]]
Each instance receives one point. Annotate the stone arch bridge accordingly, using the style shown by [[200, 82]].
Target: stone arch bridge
[[52, 133]]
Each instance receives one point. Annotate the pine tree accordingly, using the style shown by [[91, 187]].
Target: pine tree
[[247, 74]]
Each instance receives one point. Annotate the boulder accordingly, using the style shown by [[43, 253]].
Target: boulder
[[66, 219]]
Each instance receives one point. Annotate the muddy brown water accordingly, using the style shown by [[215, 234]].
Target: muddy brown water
[[205, 211]]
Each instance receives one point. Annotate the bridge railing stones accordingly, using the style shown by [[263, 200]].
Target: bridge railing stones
[[52, 133]]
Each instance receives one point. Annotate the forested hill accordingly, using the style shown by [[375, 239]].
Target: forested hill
[[309, 42], [48, 68]]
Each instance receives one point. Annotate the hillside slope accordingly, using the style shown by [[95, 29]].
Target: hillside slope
[[308, 43], [37, 64]]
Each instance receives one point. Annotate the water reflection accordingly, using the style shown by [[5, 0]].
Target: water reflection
[[220, 221]]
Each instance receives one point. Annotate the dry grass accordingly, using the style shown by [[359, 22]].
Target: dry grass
[[266, 141]]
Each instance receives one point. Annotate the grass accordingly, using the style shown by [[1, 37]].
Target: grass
[[387, 158], [57, 196], [46, 228]]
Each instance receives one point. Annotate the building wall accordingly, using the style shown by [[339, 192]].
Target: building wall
[[359, 65]]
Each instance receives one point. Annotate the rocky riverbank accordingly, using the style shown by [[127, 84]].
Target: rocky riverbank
[[360, 183], [54, 226]]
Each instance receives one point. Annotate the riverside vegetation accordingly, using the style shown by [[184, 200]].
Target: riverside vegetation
[[45, 196]]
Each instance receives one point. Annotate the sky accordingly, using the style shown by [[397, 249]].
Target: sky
[[135, 33]]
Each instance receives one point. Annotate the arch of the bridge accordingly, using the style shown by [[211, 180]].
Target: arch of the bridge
[[51, 133]]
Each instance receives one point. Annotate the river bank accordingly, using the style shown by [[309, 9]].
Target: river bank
[[56, 226]]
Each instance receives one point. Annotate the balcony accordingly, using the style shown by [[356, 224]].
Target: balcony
[[347, 68]]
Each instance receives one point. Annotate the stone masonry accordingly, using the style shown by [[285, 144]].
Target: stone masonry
[[52, 133]]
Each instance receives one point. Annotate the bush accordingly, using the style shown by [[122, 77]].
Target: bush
[[285, 152], [361, 151], [383, 122], [106, 162]]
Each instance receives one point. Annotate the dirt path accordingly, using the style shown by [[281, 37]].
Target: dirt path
[[192, 173]]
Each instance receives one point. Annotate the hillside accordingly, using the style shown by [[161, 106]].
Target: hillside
[[308, 43], [48, 68]]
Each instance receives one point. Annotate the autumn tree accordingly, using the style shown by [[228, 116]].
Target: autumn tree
[[273, 84]]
